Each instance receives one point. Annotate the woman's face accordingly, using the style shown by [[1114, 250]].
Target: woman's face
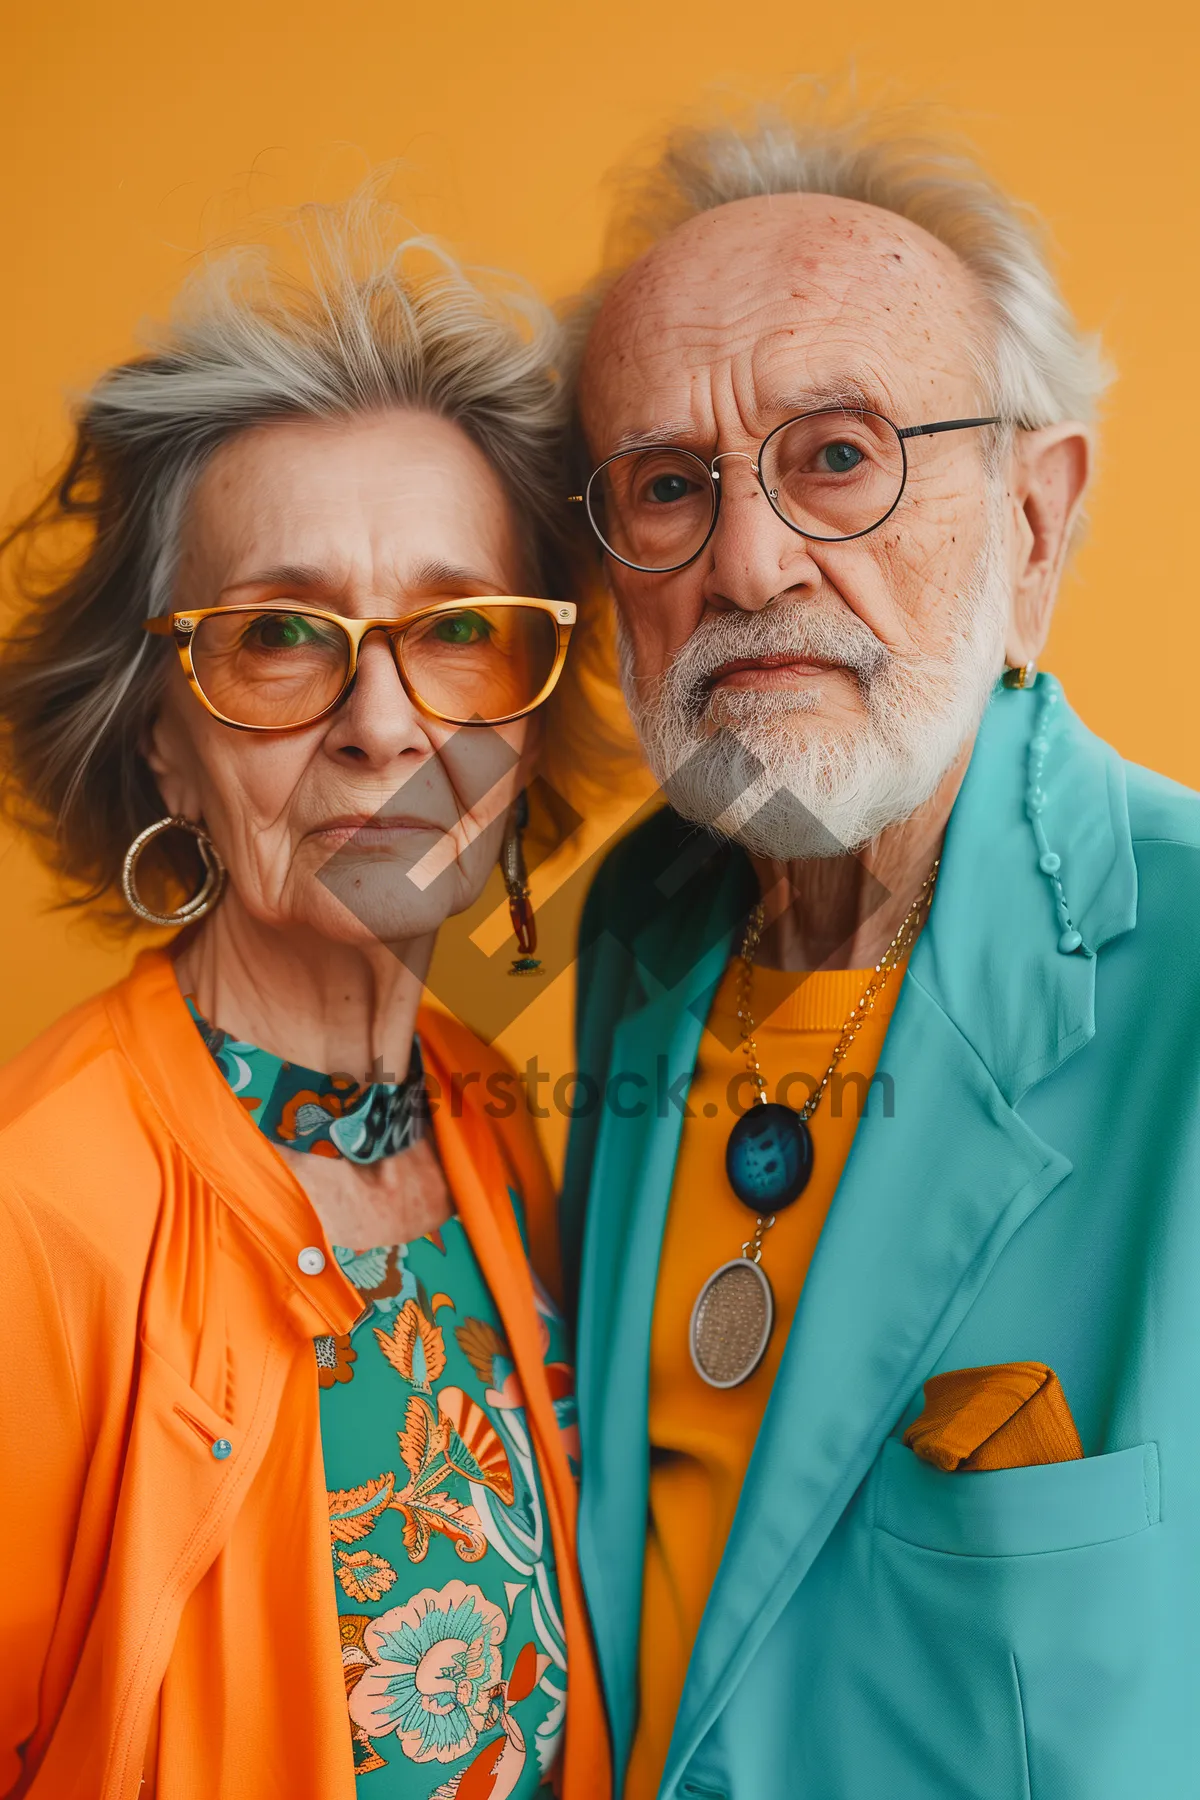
[[377, 823]]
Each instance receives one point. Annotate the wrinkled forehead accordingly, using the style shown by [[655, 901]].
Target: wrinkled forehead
[[363, 499], [765, 306]]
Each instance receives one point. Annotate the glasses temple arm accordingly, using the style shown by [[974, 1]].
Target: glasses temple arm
[[944, 425]]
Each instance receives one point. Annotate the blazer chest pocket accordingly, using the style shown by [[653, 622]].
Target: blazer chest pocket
[[1016, 1512]]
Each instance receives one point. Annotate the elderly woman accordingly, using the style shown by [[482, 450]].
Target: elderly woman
[[286, 1479]]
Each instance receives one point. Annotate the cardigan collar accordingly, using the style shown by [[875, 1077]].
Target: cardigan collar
[[169, 1057]]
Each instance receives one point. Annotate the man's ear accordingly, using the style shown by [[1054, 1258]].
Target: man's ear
[[1048, 477]]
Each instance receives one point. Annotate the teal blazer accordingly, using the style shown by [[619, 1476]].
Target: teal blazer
[[880, 1630]]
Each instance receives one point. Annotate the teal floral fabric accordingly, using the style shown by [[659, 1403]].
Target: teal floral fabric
[[327, 1115], [452, 1640], [451, 1626]]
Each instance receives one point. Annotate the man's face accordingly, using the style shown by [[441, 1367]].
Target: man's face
[[870, 670]]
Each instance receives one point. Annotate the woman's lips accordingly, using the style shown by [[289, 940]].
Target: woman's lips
[[373, 828]]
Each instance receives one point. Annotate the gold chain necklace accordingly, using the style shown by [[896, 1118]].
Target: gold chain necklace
[[768, 1161]]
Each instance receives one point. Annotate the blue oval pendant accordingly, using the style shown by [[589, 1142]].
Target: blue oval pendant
[[769, 1157]]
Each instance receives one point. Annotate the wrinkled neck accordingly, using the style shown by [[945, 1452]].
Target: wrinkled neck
[[841, 912], [310, 1000]]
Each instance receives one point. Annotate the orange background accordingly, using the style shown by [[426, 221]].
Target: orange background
[[131, 134]]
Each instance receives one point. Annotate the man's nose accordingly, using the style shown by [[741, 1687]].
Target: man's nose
[[753, 556]]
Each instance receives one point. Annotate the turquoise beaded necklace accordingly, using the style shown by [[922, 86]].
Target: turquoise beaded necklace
[[1070, 938]]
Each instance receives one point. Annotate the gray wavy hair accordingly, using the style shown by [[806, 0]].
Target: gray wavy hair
[[373, 319], [1038, 368]]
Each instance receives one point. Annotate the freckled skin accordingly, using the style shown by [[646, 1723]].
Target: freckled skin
[[717, 335]]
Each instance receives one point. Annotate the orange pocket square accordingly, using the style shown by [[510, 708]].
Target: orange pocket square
[[1009, 1416]]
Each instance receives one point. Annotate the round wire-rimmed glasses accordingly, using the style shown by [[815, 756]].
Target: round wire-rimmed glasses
[[831, 475], [281, 665]]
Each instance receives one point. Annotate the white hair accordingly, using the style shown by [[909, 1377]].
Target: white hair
[[356, 317], [1038, 368], [760, 766], [373, 320]]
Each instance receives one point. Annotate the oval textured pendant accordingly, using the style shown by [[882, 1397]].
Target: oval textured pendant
[[769, 1157], [731, 1323]]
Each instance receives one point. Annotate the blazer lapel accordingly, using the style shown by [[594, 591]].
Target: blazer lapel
[[678, 958], [895, 1271], [654, 1051], [929, 1197]]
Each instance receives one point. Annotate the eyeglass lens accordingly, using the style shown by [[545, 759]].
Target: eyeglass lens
[[278, 668], [830, 475]]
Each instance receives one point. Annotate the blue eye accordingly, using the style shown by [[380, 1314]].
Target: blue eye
[[839, 459], [667, 488]]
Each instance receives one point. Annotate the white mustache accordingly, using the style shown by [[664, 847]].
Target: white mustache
[[797, 630], [713, 748]]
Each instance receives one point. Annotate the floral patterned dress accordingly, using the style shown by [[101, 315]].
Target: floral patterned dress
[[452, 1634], [452, 1640]]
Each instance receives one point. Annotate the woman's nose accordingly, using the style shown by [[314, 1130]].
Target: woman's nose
[[377, 721]]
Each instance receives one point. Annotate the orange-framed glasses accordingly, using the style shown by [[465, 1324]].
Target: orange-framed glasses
[[278, 666]]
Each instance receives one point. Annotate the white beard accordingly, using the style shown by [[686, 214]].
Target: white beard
[[743, 763]]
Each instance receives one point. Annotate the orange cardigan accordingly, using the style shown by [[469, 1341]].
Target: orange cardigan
[[165, 1614]]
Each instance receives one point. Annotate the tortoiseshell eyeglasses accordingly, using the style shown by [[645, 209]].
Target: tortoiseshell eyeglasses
[[281, 665]]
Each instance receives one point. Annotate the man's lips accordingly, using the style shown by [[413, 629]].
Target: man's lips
[[736, 673]]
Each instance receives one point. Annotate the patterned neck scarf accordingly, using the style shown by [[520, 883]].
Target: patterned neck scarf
[[328, 1115]]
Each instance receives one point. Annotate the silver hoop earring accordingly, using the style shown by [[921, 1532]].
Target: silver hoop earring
[[201, 902], [1020, 675]]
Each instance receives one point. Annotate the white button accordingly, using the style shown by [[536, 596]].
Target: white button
[[311, 1260]]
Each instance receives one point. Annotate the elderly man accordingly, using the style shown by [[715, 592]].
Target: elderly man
[[887, 1236]]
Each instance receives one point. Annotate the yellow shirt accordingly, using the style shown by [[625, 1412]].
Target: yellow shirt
[[701, 1437]]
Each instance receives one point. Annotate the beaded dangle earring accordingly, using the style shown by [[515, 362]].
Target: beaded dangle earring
[[516, 880]]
